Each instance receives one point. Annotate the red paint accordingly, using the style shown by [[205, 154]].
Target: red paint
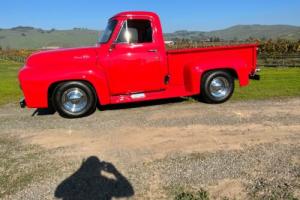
[[117, 71]]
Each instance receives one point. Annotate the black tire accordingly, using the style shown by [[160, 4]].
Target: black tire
[[88, 103], [208, 95]]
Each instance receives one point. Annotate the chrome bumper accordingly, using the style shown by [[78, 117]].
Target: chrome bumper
[[255, 76]]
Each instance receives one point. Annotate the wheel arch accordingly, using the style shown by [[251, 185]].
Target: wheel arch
[[53, 85], [193, 76], [230, 70]]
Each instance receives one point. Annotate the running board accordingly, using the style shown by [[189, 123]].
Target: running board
[[171, 92]]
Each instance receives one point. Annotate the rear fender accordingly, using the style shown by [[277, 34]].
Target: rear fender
[[193, 75]]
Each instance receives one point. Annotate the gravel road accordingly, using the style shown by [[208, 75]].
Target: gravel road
[[240, 150]]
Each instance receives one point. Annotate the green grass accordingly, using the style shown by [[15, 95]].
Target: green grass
[[200, 195], [274, 83], [9, 87]]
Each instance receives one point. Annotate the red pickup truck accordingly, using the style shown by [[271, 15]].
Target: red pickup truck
[[130, 64]]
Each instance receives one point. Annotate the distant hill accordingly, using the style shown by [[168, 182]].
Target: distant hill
[[32, 38], [242, 32]]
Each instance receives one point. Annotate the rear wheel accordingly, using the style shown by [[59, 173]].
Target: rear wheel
[[74, 99], [217, 86]]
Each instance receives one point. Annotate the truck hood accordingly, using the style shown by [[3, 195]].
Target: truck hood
[[63, 58]]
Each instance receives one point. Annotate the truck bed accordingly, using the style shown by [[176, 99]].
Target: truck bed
[[241, 58], [215, 48]]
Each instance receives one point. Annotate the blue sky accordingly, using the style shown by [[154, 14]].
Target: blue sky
[[175, 14]]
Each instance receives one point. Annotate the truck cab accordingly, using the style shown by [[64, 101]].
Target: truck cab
[[130, 63], [135, 52]]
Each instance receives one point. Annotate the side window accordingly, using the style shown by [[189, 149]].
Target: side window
[[136, 31]]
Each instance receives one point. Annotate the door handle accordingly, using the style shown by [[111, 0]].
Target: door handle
[[152, 50]]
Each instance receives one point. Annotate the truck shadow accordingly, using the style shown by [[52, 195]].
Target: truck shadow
[[141, 104], [46, 111], [88, 182], [43, 111]]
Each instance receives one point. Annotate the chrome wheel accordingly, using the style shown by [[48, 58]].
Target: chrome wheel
[[219, 87], [74, 100]]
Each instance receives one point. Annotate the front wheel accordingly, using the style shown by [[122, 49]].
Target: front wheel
[[217, 86], [74, 99]]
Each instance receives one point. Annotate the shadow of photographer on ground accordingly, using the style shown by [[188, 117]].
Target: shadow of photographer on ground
[[88, 183]]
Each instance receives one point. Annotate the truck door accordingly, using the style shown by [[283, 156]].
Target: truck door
[[136, 65]]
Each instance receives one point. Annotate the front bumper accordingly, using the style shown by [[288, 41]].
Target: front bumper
[[22, 103]]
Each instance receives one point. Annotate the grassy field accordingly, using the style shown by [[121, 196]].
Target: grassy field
[[275, 82], [9, 87]]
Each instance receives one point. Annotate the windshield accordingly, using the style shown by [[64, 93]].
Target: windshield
[[105, 36]]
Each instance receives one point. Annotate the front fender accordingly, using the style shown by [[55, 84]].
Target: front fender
[[35, 85], [93, 76]]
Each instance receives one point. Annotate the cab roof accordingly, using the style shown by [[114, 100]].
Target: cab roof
[[136, 13]]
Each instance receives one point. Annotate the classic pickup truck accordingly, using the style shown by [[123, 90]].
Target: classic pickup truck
[[130, 63]]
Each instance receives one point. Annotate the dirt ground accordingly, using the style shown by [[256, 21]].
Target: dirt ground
[[158, 146]]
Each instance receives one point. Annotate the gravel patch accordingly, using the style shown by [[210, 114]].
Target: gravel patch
[[164, 148], [267, 171], [170, 116]]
